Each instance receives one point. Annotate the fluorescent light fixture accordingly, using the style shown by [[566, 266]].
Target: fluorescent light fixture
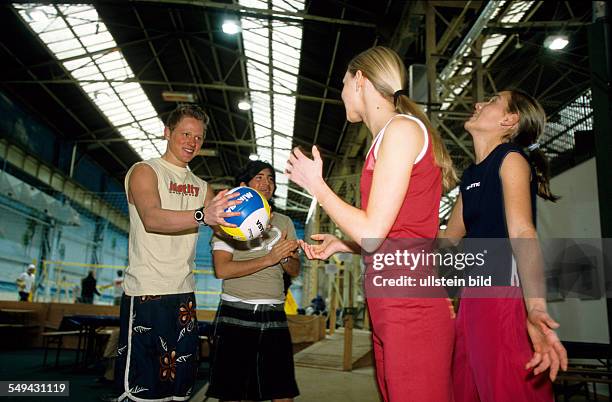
[[556, 42], [207, 152], [253, 157], [220, 186], [244, 105], [231, 27], [174, 96]]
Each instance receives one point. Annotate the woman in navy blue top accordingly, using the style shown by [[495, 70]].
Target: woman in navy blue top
[[506, 340]]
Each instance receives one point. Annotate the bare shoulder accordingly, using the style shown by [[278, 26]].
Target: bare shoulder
[[404, 127], [514, 166], [403, 140], [142, 170], [143, 179]]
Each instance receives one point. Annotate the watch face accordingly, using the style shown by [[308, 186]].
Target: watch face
[[199, 215]]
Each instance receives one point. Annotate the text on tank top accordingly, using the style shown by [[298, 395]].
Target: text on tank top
[[162, 263]]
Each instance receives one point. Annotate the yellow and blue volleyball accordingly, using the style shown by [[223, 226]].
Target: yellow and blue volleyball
[[254, 214]]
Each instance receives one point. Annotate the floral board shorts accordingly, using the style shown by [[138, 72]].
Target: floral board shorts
[[158, 350]]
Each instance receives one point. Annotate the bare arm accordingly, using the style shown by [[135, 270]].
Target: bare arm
[[455, 229], [515, 175], [398, 151], [144, 195], [292, 265], [329, 246], [226, 267], [549, 353]]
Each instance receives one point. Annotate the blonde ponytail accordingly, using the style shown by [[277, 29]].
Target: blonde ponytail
[[387, 73], [405, 105]]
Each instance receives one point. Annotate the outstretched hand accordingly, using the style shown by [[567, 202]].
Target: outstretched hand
[[329, 245], [214, 213], [549, 353], [303, 171]]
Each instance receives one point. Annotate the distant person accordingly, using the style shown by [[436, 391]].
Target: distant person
[[88, 288], [75, 292], [318, 305], [25, 282], [118, 288]]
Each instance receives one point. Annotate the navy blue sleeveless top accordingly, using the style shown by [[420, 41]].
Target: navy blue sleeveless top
[[484, 215], [482, 194]]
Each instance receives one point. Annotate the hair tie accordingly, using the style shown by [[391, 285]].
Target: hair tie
[[533, 146], [397, 94]]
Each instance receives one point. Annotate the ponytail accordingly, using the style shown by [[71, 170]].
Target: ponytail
[[539, 161], [386, 71], [405, 105], [532, 120]]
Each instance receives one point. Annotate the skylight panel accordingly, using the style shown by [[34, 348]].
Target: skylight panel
[[121, 103], [273, 128], [559, 132], [515, 13]]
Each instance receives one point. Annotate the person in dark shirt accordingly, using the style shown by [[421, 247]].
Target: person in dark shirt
[[505, 347], [88, 288]]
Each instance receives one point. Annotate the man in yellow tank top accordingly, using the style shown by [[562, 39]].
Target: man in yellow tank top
[[158, 342]]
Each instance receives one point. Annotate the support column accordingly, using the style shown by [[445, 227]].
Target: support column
[[599, 58], [478, 76], [430, 59]]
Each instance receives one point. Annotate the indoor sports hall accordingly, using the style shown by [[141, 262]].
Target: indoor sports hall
[[424, 211]]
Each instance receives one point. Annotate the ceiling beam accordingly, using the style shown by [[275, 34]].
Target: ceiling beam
[[101, 52], [328, 79], [537, 24], [220, 87], [262, 12]]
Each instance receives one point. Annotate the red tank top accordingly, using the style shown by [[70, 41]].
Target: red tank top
[[418, 216]]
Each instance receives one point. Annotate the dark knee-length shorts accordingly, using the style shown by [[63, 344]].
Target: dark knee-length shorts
[[158, 350], [252, 354]]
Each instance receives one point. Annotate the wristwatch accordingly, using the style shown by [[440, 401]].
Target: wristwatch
[[198, 215]]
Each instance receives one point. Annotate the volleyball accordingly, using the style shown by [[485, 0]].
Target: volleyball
[[254, 214]]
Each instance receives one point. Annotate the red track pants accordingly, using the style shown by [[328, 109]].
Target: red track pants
[[413, 347], [491, 350]]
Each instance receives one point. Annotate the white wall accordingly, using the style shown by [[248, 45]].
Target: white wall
[[575, 215]]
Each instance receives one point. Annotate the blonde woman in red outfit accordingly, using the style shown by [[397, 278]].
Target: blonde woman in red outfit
[[401, 185]]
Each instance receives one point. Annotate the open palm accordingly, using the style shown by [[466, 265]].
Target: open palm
[[549, 353]]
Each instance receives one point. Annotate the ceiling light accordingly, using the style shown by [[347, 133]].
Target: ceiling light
[[207, 152], [556, 42], [174, 96], [518, 44], [244, 105], [253, 157], [230, 27]]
